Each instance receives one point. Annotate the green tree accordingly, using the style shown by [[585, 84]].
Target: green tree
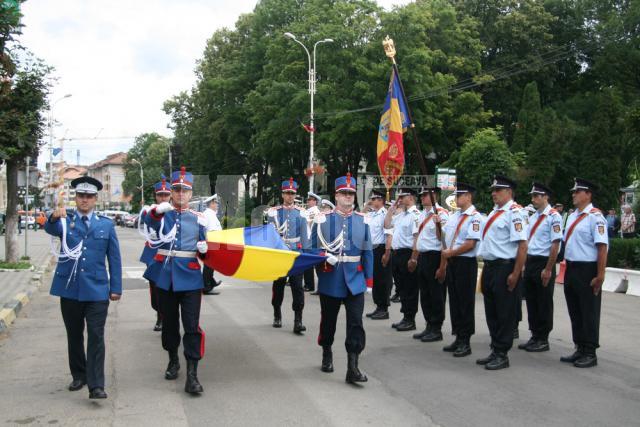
[[528, 119]]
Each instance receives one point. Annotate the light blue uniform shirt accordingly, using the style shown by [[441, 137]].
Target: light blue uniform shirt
[[375, 219], [405, 225], [549, 231], [502, 238], [427, 237], [471, 229], [590, 231]]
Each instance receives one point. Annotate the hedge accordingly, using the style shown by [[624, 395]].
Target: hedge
[[624, 253]]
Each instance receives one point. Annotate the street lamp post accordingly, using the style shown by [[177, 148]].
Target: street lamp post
[[312, 91], [141, 181], [50, 201]]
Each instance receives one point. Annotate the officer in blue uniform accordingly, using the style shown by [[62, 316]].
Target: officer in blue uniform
[[82, 283], [292, 227], [381, 240], [504, 251], [162, 194], [585, 251], [176, 273], [344, 237], [545, 234]]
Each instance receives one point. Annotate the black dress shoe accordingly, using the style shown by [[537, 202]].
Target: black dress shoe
[[451, 347], [572, 357], [308, 289], [586, 361], [432, 336], [487, 359], [212, 292], [277, 322], [501, 361], [538, 346], [395, 298], [395, 325], [406, 325], [524, 346], [463, 350], [76, 385], [97, 393], [419, 335], [372, 313], [380, 315], [158, 326]]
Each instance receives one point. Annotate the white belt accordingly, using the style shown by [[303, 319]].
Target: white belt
[[347, 258], [177, 254], [292, 240]]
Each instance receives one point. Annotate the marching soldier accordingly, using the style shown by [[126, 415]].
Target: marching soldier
[[503, 250], [545, 234], [426, 258], [292, 226], [82, 283], [176, 273], [463, 234], [381, 240], [405, 229], [310, 213], [213, 224], [344, 237], [162, 194], [586, 243]]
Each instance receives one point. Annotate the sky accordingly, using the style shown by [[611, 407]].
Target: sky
[[120, 60]]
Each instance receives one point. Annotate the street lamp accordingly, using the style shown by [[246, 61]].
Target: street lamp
[[141, 181], [312, 91], [51, 145]]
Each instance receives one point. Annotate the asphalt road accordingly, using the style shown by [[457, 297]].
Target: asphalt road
[[256, 375]]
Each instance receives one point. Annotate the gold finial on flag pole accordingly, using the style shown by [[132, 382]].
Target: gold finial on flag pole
[[389, 48]]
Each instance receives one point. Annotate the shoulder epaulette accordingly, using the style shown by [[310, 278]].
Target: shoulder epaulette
[[595, 211], [515, 206], [552, 211]]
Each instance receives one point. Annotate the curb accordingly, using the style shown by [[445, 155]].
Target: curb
[[9, 312]]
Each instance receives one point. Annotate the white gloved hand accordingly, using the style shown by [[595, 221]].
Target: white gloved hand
[[272, 212], [202, 246], [145, 209], [164, 207], [332, 259]]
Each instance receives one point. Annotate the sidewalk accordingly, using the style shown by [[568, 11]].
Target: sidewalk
[[16, 286]]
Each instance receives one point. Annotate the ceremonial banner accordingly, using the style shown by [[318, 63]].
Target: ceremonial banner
[[255, 253], [393, 124]]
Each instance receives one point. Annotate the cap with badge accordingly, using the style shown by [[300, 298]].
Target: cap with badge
[[376, 194], [583, 184], [427, 190], [314, 196], [406, 192], [462, 188], [213, 198], [346, 184], [327, 203], [86, 185], [538, 188], [162, 187], [501, 181], [182, 178], [289, 186]]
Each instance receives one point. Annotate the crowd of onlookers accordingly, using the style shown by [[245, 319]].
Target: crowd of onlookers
[[622, 226]]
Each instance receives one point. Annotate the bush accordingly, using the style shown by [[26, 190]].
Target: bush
[[624, 253]]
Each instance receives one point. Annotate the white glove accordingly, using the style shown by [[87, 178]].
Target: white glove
[[202, 246], [145, 209], [164, 207], [332, 259], [272, 212]]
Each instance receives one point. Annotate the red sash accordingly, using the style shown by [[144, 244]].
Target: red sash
[[455, 235], [536, 225], [425, 222], [490, 222], [582, 216]]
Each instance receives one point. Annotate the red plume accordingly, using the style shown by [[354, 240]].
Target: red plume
[[349, 179], [291, 182]]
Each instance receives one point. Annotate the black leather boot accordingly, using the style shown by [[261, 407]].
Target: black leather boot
[[464, 348], [173, 367], [451, 347], [500, 361], [433, 336], [277, 317], [158, 326], [298, 327], [419, 335], [573, 357], [192, 385], [353, 373], [327, 359]]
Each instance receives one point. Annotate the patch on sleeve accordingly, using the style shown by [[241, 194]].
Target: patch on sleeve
[[601, 229], [518, 226], [556, 228], [476, 226]]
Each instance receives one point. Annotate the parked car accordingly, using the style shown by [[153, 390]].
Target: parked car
[[131, 220], [29, 221]]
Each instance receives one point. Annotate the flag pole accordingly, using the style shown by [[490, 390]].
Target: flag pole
[[390, 51]]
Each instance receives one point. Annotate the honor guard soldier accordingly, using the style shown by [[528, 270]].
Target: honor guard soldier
[[463, 234], [326, 206], [82, 283], [381, 240], [292, 227], [177, 276], [426, 259], [585, 251], [344, 237], [162, 194], [545, 235], [310, 213], [405, 228], [213, 224], [503, 250]]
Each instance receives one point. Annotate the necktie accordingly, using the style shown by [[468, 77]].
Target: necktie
[[85, 220]]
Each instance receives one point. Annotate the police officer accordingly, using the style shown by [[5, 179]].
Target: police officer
[[463, 233], [503, 250], [213, 224], [344, 237], [586, 243], [176, 272], [381, 240], [162, 194], [82, 283], [292, 226], [545, 234], [310, 212], [405, 228], [426, 259]]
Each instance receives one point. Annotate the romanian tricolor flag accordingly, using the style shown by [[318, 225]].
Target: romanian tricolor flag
[[393, 124], [255, 253]]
